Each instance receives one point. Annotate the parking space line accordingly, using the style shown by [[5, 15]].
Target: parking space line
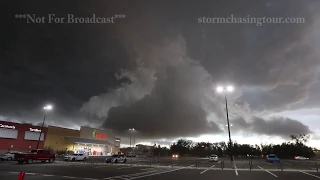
[[69, 177], [137, 174], [144, 174], [124, 167], [31, 173], [102, 167], [146, 169], [156, 173], [268, 171], [207, 169], [310, 174], [47, 175], [130, 175], [235, 168]]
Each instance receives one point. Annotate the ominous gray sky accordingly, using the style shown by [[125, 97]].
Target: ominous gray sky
[[157, 69]]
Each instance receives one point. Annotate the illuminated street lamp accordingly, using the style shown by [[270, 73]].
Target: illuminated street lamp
[[46, 108], [224, 90], [131, 130]]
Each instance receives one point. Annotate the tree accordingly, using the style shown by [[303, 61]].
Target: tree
[[182, 147], [160, 151], [284, 150], [300, 139]]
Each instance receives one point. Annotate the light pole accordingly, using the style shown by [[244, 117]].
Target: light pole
[[46, 108], [225, 90], [131, 129]]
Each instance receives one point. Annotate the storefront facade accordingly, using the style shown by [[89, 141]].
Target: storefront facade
[[88, 141], [20, 137], [56, 138]]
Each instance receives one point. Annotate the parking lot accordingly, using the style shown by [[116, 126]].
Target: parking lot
[[162, 168]]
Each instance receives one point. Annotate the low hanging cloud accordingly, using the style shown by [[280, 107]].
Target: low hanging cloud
[[274, 126], [141, 84], [174, 107]]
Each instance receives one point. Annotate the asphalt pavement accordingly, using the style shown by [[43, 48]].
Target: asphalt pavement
[[165, 168]]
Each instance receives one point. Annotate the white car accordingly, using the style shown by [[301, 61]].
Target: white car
[[8, 156], [116, 159], [76, 157], [214, 158], [300, 158]]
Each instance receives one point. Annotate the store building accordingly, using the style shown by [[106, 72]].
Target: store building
[[56, 138], [88, 141], [20, 137]]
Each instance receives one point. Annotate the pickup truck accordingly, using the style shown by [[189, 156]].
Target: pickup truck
[[35, 155]]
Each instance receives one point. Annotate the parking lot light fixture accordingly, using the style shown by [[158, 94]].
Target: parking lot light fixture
[[224, 90], [46, 108], [131, 129]]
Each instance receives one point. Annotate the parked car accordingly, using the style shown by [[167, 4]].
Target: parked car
[[300, 158], [35, 155], [8, 156], [272, 158], [214, 158], [76, 157], [116, 159]]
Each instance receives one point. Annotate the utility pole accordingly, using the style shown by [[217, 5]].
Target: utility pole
[[134, 142], [225, 96]]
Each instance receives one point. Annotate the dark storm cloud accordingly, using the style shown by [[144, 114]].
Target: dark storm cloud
[[171, 106], [170, 61], [61, 64], [274, 126], [174, 106], [274, 65]]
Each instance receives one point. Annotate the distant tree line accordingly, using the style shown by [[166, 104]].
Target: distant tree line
[[295, 147]]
